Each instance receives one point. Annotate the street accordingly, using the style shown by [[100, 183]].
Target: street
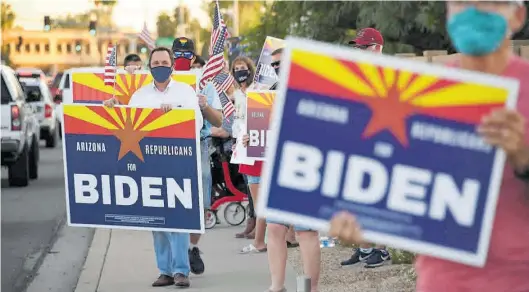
[[31, 220]]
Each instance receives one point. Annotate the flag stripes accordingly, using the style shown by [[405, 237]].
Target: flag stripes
[[109, 77]]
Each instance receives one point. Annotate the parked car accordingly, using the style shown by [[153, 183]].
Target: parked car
[[20, 131], [31, 72], [39, 96]]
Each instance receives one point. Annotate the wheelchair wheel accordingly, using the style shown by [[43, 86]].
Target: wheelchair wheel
[[234, 213], [210, 219]]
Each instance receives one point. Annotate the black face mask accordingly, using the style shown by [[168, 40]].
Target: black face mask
[[277, 70], [241, 75]]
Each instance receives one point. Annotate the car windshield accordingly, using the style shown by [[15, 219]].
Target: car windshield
[[56, 80], [33, 93]]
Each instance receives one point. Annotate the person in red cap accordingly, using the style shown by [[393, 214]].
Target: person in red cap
[[368, 39]]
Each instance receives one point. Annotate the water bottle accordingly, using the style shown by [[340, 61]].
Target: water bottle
[[327, 242]]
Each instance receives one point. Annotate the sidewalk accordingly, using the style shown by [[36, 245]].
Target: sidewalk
[[121, 260]]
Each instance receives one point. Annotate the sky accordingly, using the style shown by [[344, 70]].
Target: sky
[[127, 13]]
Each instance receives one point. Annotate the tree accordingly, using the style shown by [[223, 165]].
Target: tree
[[8, 17], [410, 26], [78, 21], [82, 20], [165, 26]]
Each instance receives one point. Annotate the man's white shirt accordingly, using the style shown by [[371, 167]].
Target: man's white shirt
[[177, 94]]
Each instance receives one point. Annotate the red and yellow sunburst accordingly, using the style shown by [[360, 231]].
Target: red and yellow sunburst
[[129, 125], [90, 87], [392, 95]]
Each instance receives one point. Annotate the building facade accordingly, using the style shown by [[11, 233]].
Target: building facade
[[60, 49]]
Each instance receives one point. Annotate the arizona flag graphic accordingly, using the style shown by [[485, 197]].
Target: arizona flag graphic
[[89, 87], [390, 140], [259, 112], [135, 168]]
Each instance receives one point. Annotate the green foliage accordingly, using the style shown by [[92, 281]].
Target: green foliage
[[401, 257], [8, 16], [82, 20], [165, 26], [407, 26]]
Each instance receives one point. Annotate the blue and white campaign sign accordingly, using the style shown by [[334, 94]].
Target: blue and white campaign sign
[[132, 168], [390, 140]]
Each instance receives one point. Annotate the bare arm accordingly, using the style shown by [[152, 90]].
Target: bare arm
[[213, 116]]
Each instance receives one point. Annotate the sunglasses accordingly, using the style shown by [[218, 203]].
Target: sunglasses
[[186, 54], [275, 64], [363, 47]]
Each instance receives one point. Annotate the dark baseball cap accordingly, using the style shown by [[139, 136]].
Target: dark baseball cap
[[368, 36], [183, 44]]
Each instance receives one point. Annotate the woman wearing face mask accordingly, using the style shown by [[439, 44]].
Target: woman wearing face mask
[[243, 71], [481, 32]]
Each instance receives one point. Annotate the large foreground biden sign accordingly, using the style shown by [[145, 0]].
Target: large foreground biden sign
[[390, 140], [133, 168]]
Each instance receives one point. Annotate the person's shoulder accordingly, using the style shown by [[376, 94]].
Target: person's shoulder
[[147, 88], [181, 85]]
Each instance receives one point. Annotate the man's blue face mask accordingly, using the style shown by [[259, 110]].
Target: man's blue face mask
[[476, 33]]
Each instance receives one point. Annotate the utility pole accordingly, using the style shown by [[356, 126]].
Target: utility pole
[[236, 17]]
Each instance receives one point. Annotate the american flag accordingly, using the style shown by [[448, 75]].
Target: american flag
[[216, 61], [222, 82], [218, 22], [111, 64], [145, 36]]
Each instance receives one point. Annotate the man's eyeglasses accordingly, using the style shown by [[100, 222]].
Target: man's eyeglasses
[[186, 54], [275, 64]]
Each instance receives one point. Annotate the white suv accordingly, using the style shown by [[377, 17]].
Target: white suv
[[20, 131], [39, 96]]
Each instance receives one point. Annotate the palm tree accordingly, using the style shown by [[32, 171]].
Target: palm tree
[[7, 17]]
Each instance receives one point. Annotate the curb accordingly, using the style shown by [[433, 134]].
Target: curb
[[33, 262], [95, 261]]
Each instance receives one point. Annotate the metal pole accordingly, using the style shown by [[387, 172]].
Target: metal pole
[[303, 284], [236, 17]]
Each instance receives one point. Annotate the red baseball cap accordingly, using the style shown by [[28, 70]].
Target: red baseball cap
[[368, 36]]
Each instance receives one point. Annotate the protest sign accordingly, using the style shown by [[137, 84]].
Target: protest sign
[[89, 87], [258, 113], [266, 76], [132, 168], [392, 141]]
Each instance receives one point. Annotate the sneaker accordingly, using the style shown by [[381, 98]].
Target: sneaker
[[356, 258], [378, 258], [195, 261]]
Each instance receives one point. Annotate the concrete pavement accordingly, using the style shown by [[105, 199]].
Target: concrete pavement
[[31, 219], [122, 260]]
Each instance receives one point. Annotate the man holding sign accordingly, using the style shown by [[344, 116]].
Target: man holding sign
[[171, 248], [481, 32]]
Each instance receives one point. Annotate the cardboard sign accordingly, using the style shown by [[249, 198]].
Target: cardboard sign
[[392, 141], [258, 114], [132, 168], [89, 87], [266, 75]]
